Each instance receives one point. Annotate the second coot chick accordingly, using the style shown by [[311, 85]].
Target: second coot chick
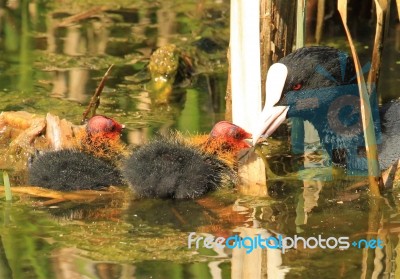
[[173, 168]]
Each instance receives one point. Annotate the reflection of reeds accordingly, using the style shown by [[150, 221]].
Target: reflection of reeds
[[81, 196], [366, 115], [81, 16]]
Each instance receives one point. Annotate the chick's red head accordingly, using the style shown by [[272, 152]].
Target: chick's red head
[[103, 126], [231, 134]]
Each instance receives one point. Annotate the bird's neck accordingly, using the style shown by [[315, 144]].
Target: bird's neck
[[109, 149]]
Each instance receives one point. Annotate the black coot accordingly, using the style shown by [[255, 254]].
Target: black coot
[[321, 88]]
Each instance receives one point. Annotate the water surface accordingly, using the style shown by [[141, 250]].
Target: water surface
[[52, 61]]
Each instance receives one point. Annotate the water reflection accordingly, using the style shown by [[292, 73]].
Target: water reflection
[[70, 84], [70, 52], [131, 237], [67, 263]]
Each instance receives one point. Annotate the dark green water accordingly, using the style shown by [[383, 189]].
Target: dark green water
[[50, 65]]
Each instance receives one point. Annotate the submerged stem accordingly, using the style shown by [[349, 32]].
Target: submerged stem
[[7, 186]]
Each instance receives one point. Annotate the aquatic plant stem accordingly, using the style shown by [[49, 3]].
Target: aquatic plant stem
[[366, 115], [381, 11], [320, 21], [297, 132], [7, 186], [301, 23], [245, 69], [95, 100], [277, 33], [398, 7], [245, 77]]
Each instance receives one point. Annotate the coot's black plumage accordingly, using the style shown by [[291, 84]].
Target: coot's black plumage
[[389, 150], [170, 168], [70, 170], [321, 87]]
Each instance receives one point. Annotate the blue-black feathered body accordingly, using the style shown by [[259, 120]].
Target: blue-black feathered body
[[329, 99], [389, 150]]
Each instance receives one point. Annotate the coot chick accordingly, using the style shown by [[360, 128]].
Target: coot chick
[[176, 169], [320, 87], [101, 138], [82, 168], [70, 170]]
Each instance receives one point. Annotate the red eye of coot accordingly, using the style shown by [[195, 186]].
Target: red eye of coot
[[297, 86]]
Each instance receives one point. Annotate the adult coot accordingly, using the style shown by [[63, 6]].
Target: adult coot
[[320, 87]]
